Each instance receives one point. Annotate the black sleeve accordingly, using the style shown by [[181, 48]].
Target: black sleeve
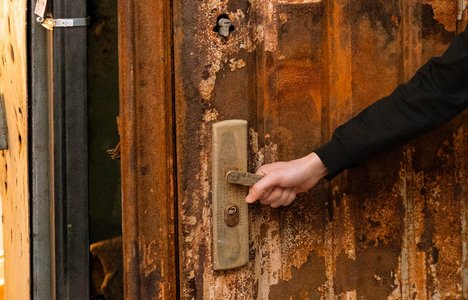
[[437, 93]]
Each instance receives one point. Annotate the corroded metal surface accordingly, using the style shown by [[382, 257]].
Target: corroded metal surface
[[14, 181], [147, 150], [392, 228]]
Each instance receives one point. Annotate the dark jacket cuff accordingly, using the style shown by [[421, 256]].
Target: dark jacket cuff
[[335, 157]]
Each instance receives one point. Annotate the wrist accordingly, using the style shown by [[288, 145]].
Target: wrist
[[315, 166]]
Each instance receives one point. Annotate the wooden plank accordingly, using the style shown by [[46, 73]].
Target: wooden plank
[[14, 161]]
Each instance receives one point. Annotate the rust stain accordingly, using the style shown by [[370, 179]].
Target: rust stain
[[236, 64], [214, 49], [411, 264], [264, 226], [203, 281], [266, 243], [267, 30], [197, 228], [305, 282], [348, 232], [259, 153], [460, 146], [146, 128], [378, 232], [299, 240], [375, 34], [445, 12]]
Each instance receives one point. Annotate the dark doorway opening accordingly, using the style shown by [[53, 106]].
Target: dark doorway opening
[[105, 215]]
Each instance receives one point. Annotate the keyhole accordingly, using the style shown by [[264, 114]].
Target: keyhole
[[224, 26]]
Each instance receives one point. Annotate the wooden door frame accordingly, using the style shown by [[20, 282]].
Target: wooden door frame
[[149, 214]]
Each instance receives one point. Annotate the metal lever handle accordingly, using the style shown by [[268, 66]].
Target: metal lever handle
[[242, 178]]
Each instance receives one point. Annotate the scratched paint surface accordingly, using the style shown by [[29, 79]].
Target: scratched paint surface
[[13, 162], [393, 228]]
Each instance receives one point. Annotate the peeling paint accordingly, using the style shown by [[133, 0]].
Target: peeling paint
[[267, 265], [348, 236], [460, 146], [193, 242], [150, 257], [259, 153], [412, 263], [236, 64], [267, 31], [215, 49], [328, 289], [444, 13], [350, 295], [380, 230]]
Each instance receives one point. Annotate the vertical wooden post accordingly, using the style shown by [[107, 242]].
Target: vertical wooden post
[[14, 160]]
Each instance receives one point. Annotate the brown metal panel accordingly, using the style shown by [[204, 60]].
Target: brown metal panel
[[147, 150], [403, 248], [215, 80], [292, 75], [14, 179], [242, 78], [361, 249], [392, 228]]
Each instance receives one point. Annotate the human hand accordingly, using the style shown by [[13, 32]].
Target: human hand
[[282, 181]]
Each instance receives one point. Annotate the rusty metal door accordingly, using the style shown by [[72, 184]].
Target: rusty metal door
[[393, 228]]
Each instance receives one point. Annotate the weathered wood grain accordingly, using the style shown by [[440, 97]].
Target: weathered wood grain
[[14, 161]]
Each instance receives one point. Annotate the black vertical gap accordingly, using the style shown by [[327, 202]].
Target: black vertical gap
[[104, 173]]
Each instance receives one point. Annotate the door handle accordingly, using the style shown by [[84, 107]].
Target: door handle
[[242, 178], [229, 209]]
